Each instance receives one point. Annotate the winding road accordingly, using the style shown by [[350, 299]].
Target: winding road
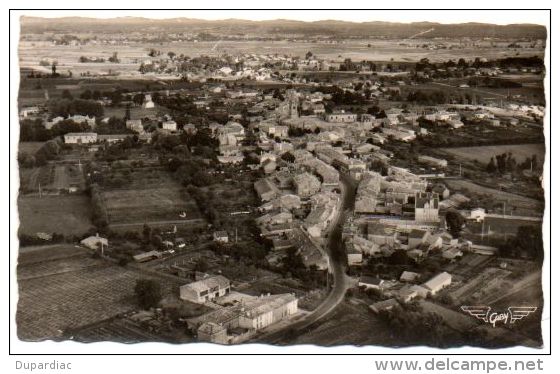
[[337, 268]]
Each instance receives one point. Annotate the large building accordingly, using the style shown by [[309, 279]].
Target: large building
[[341, 117], [80, 137], [236, 323], [426, 207], [306, 184], [206, 289]]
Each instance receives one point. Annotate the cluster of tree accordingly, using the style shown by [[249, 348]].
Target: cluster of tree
[[455, 222], [25, 239], [91, 95], [118, 151], [424, 97], [341, 97], [250, 252], [114, 125], [33, 131], [70, 107], [505, 163], [527, 243], [413, 326], [148, 293], [297, 132], [99, 210], [493, 83], [205, 201]]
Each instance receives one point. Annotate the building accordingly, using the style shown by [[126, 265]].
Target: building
[[147, 256], [135, 125], [80, 137], [205, 290], [95, 242], [148, 103], [238, 322], [220, 236], [341, 117], [169, 125], [370, 282], [426, 207], [417, 237], [438, 282], [384, 305], [409, 276], [354, 256], [432, 161], [266, 189], [306, 185]]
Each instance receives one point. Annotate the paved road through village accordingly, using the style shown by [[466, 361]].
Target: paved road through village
[[337, 263]]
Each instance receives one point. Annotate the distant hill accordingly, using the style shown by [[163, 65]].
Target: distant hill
[[282, 27]]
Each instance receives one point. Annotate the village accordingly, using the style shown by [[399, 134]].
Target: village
[[243, 198]]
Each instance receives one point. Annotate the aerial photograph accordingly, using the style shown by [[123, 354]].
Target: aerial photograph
[[282, 182]]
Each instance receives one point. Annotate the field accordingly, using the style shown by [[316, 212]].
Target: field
[[70, 289], [31, 53], [349, 324], [29, 147], [63, 214], [522, 205], [150, 196], [519, 151]]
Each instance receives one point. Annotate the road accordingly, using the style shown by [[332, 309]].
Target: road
[[337, 263]]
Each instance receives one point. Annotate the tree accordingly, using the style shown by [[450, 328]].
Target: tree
[[171, 55], [308, 55], [491, 167], [53, 68], [148, 293], [455, 222], [67, 95]]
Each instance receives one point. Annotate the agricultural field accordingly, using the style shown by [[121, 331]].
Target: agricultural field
[[483, 154], [63, 214], [31, 53], [71, 291], [349, 324], [29, 147], [521, 205], [150, 196]]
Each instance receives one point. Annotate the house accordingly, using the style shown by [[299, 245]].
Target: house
[[148, 103], [477, 214], [212, 332], [438, 282], [205, 289], [169, 125], [442, 191], [220, 236], [95, 242], [409, 276], [267, 310], [80, 137], [381, 234], [306, 184], [135, 125], [341, 117], [452, 253], [384, 305], [266, 189], [432, 161], [354, 255], [407, 294], [370, 282], [417, 237], [147, 256], [269, 166]]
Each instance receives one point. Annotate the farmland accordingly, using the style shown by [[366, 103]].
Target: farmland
[[482, 154], [151, 196], [63, 214], [71, 291], [31, 53]]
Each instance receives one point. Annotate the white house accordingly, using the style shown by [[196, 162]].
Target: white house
[[438, 282], [205, 290], [80, 137]]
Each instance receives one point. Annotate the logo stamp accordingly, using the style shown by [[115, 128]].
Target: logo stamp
[[485, 313]]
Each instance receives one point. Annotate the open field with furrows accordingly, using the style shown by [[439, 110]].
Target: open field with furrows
[[31, 53], [63, 214], [69, 292], [483, 154], [150, 196]]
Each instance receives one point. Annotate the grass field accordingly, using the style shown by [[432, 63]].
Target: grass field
[[64, 214], [150, 196], [519, 151], [73, 291], [29, 147]]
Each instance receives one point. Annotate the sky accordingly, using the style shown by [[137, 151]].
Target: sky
[[500, 17]]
